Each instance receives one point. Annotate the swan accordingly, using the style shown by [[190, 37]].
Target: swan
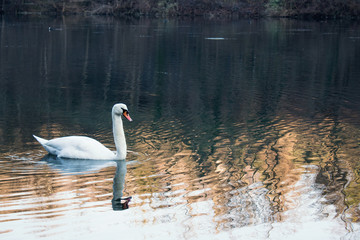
[[81, 147]]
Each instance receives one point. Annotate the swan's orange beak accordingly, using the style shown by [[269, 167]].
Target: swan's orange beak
[[127, 116]]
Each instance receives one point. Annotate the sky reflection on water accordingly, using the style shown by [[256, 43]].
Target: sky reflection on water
[[252, 136]]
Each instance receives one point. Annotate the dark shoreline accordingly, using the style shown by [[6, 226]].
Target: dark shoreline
[[310, 9]]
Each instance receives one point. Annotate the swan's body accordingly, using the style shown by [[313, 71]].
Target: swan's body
[[80, 147]]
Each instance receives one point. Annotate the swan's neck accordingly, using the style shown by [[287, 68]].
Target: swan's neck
[[119, 137]]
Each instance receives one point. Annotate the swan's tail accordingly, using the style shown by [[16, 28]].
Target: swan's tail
[[42, 141], [45, 145]]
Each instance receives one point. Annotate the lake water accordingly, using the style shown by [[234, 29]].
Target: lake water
[[242, 129]]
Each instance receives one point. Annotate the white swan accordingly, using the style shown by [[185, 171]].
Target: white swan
[[79, 147]]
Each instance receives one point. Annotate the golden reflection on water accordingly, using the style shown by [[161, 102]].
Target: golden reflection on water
[[292, 149], [243, 181]]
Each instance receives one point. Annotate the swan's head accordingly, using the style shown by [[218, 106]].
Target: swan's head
[[121, 109]]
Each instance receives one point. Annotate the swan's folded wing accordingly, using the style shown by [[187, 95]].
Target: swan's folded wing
[[53, 146], [78, 147]]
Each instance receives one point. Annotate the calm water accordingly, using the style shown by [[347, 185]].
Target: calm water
[[242, 130]]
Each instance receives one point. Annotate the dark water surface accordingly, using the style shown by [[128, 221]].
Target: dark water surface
[[242, 130]]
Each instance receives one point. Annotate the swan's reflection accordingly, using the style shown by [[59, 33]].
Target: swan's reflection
[[83, 166], [119, 202]]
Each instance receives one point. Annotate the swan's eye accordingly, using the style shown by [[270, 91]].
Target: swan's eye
[[119, 113]]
